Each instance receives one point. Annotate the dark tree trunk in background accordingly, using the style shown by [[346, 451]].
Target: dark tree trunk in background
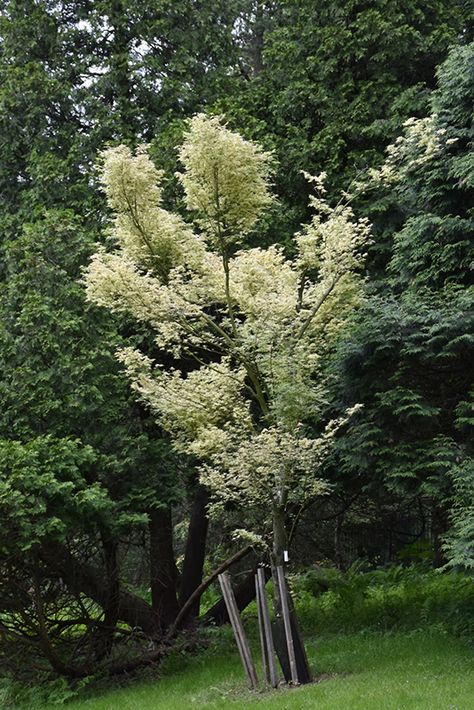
[[338, 556], [111, 609], [194, 556], [163, 574], [439, 528]]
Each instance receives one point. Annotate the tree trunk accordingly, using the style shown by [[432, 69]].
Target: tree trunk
[[163, 574], [280, 546], [194, 555], [338, 542], [280, 537], [280, 543], [111, 611]]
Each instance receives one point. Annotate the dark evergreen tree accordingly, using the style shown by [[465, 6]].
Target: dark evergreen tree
[[409, 359], [73, 76], [328, 85]]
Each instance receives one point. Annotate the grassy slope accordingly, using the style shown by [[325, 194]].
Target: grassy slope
[[423, 670]]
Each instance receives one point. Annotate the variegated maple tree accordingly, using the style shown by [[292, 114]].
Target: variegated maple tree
[[255, 322]]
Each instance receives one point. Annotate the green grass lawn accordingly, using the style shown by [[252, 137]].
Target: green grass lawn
[[422, 670]]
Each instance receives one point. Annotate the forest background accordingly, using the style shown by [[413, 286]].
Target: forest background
[[104, 527]]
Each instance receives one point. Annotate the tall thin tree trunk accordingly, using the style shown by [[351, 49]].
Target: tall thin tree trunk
[[195, 552], [338, 542], [163, 574], [280, 546], [280, 537], [111, 608]]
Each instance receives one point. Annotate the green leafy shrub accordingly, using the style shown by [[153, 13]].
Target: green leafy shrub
[[46, 691], [396, 598], [317, 580]]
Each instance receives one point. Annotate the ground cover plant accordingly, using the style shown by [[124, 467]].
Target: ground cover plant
[[398, 598], [421, 670], [399, 638]]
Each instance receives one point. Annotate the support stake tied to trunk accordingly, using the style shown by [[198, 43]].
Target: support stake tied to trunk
[[238, 629], [285, 610], [266, 636]]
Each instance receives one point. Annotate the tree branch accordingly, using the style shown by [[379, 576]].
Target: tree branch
[[202, 588]]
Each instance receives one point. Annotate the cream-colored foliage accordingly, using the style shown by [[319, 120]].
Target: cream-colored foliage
[[131, 181], [264, 285], [115, 281], [200, 409], [201, 283], [256, 324], [271, 466], [334, 241], [146, 232], [225, 180], [421, 142]]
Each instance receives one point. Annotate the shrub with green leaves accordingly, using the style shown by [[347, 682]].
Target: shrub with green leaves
[[396, 598]]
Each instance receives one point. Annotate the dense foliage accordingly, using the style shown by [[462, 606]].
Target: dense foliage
[[104, 526], [392, 599], [409, 357], [256, 324]]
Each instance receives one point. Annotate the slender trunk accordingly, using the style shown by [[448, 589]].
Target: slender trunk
[[111, 609], [280, 537], [337, 542], [280, 546], [195, 552], [163, 573]]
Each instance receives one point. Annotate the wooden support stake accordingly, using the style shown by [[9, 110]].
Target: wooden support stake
[[263, 641], [304, 673], [239, 633], [266, 627], [287, 624]]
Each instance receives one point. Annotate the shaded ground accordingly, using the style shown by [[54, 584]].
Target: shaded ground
[[421, 670]]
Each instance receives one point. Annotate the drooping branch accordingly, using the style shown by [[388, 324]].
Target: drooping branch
[[83, 578], [47, 647]]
